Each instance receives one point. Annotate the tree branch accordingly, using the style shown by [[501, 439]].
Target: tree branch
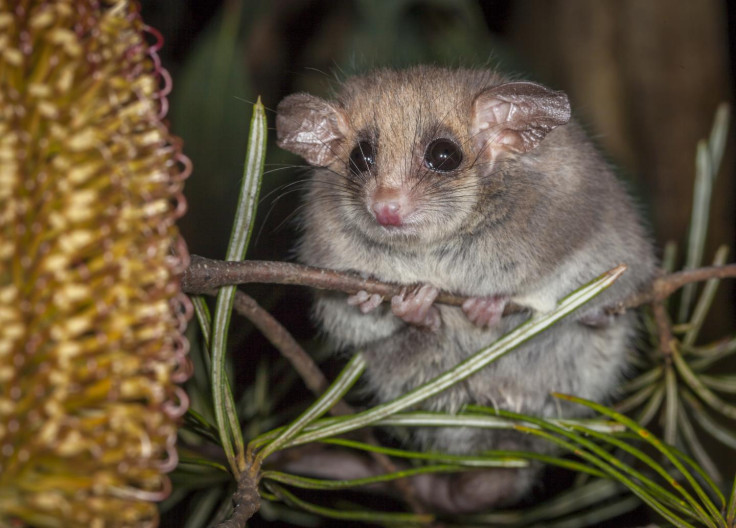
[[665, 285], [664, 330], [205, 275]]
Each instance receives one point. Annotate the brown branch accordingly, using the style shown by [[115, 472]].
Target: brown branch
[[205, 275], [283, 341], [664, 329], [665, 285], [246, 499]]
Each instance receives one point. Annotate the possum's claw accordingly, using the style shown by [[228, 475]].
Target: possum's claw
[[366, 302], [416, 307], [485, 311]]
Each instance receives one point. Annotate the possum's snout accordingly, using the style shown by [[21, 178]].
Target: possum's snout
[[390, 206]]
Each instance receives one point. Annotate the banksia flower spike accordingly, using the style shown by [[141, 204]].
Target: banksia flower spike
[[91, 313]]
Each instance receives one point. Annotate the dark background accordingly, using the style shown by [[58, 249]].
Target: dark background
[[644, 76]]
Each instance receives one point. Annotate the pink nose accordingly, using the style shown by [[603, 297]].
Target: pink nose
[[388, 212]]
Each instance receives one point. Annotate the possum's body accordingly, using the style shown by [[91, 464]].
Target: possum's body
[[530, 213]]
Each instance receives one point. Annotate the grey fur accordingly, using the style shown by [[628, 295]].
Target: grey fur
[[531, 224]]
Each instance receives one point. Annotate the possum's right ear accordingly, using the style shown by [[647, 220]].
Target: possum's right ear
[[515, 117], [310, 127]]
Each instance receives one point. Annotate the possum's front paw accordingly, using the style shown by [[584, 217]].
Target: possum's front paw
[[485, 311], [416, 308]]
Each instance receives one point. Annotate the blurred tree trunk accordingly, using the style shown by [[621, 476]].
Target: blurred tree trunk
[[646, 76]]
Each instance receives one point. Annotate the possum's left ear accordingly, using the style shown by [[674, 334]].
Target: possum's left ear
[[310, 127], [515, 117]]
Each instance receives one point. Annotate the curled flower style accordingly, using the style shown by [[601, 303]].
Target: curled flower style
[[91, 312]]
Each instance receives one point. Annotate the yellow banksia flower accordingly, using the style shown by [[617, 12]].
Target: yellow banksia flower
[[91, 312]]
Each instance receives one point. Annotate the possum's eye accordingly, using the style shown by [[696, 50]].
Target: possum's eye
[[443, 155], [362, 158]]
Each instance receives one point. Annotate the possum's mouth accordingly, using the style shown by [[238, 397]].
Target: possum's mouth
[[410, 232], [407, 232]]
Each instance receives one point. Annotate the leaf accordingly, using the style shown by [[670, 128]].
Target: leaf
[[606, 462], [486, 459], [711, 426], [224, 405], [322, 484], [331, 396], [706, 300], [372, 516], [696, 447], [707, 162], [669, 452]]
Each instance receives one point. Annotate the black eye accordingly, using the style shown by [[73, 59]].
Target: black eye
[[362, 158], [443, 155]]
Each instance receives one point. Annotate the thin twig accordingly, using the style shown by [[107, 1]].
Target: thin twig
[[283, 341], [664, 330], [204, 275], [665, 285]]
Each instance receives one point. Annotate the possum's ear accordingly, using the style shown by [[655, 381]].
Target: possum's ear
[[515, 117], [310, 127]]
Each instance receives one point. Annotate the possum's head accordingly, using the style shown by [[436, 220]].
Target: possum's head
[[409, 153]]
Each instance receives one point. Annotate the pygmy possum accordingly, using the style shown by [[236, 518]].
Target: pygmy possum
[[466, 181]]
